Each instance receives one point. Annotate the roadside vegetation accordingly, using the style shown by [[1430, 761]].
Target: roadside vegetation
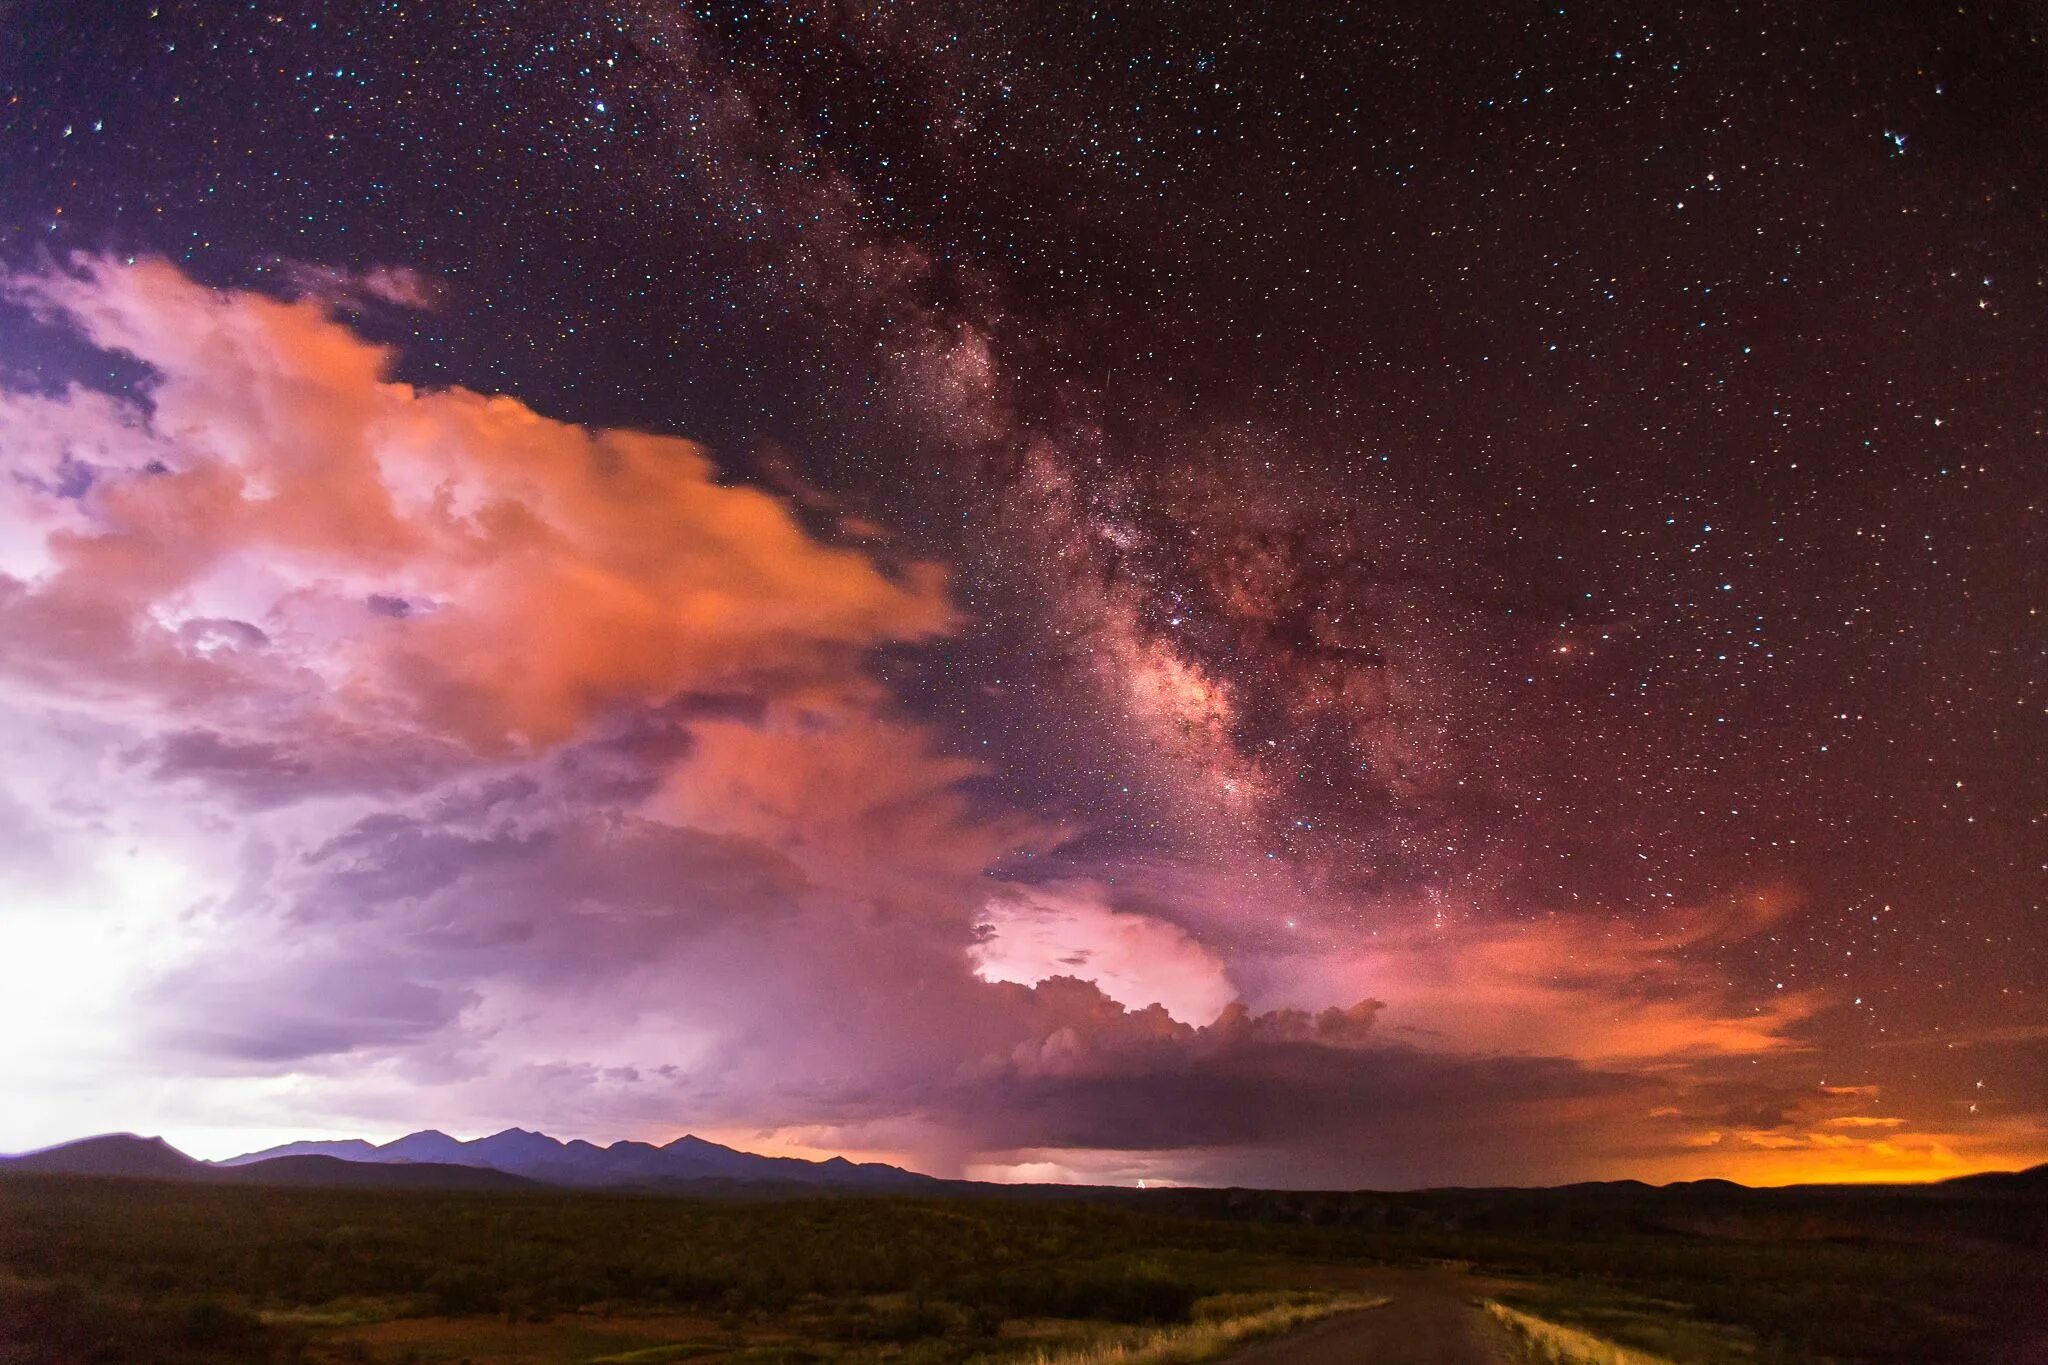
[[1579, 1322], [121, 1271], [1556, 1344], [1222, 1324]]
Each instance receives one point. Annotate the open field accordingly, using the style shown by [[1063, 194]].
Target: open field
[[121, 1270]]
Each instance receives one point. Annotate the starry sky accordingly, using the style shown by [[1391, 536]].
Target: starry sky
[[1366, 595]]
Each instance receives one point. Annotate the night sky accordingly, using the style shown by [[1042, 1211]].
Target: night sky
[[1364, 595]]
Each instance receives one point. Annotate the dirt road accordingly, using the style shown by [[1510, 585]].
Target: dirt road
[[1430, 1320]]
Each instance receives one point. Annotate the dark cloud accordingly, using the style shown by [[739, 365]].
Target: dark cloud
[[281, 1012]]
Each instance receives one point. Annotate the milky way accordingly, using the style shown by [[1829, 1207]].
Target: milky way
[[1485, 566]]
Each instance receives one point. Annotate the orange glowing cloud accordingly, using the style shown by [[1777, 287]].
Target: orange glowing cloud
[[854, 799], [1616, 990], [283, 516]]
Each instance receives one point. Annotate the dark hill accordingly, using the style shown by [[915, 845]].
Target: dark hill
[[2032, 1180], [331, 1172], [140, 1158], [111, 1154]]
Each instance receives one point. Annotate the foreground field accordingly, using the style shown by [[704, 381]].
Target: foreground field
[[126, 1271]]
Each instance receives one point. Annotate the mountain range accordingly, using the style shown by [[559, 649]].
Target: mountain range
[[511, 1159], [536, 1156], [517, 1159]]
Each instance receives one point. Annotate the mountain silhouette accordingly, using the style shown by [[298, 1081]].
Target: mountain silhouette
[[2031, 1180], [537, 1156], [151, 1158], [112, 1154], [330, 1172]]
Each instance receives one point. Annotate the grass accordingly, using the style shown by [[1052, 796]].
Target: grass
[[1211, 1335], [1654, 1329], [655, 1355], [1557, 1344], [189, 1274], [108, 1270]]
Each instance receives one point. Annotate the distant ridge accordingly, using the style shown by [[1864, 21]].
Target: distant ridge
[[331, 1172], [623, 1164], [2033, 1178], [151, 1158], [430, 1159]]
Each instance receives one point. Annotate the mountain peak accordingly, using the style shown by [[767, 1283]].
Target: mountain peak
[[528, 1144], [690, 1141]]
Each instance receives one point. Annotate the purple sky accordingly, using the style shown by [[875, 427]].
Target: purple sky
[[1308, 596], [387, 757]]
